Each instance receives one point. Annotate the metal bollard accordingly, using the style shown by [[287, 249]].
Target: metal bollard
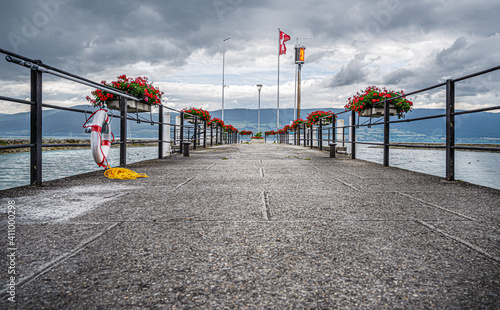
[[333, 146], [185, 148]]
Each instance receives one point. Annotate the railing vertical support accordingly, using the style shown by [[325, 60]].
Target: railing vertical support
[[160, 132], [211, 134], [450, 130], [204, 134], [217, 134], [386, 133], [334, 130], [181, 134], [320, 135], [221, 133], [353, 137], [123, 131], [311, 135], [195, 134], [36, 128]]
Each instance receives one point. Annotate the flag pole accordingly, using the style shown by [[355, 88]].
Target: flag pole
[[278, 92]]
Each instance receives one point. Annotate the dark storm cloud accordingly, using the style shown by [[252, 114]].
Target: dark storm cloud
[[92, 36], [355, 71]]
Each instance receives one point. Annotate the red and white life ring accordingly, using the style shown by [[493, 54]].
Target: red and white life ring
[[100, 136]]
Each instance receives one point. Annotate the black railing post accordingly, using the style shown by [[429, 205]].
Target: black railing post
[[36, 128], [211, 134], [195, 134], [353, 133], [160, 132], [311, 136], [386, 133], [450, 130], [320, 135], [174, 143], [204, 134], [181, 133], [334, 130], [217, 134], [123, 131]]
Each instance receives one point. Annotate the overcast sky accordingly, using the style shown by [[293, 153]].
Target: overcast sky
[[350, 44]]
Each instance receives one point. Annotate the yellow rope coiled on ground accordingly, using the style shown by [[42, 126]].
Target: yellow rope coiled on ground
[[123, 174]]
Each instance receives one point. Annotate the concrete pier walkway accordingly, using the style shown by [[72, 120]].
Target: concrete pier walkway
[[259, 226]]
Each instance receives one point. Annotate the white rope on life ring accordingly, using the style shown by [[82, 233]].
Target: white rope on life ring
[[100, 136]]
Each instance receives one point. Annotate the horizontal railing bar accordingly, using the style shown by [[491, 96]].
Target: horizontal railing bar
[[15, 146], [65, 144], [6, 52], [476, 74], [16, 100], [66, 75], [476, 148], [418, 145], [477, 110], [370, 143], [416, 119], [45, 105]]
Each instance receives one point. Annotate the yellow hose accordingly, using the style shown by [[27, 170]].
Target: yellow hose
[[123, 174]]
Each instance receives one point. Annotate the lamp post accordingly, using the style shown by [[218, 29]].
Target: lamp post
[[223, 85], [259, 87]]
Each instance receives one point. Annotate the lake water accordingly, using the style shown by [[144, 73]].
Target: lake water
[[14, 167], [475, 167]]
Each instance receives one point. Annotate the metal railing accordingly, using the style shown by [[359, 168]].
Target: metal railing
[[181, 132], [305, 136]]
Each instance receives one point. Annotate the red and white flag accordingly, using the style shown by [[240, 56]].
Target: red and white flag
[[283, 38]]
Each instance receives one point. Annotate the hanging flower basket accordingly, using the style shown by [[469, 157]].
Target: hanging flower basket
[[378, 111], [138, 87], [132, 106], [246, 133], [189, 115], [370, 102], [189, 118], [296, 123], [320, 116]]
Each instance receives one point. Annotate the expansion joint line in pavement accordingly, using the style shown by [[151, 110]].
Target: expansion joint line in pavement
[[340, 181], [61, 258], [436, 206], [266, 209], [183, 183], [459, 240], [210, 166]]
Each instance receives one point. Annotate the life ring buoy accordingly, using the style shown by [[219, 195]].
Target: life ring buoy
[[100, 136]]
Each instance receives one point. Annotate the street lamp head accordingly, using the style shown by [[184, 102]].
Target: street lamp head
[[226, 39], [259, 86]]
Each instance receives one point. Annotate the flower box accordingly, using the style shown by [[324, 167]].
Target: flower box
[[189, 118], [257, 140], [378, 111], [324, 121], [370, 102], [139, 88], [132, 106]]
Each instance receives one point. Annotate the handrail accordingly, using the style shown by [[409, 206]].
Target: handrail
[[37, 67], [308, 139]]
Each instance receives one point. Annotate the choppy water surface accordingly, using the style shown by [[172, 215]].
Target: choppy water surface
[[14, 168], [475, 167]]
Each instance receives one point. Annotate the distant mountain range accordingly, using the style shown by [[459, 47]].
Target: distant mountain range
[[477, 127]]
